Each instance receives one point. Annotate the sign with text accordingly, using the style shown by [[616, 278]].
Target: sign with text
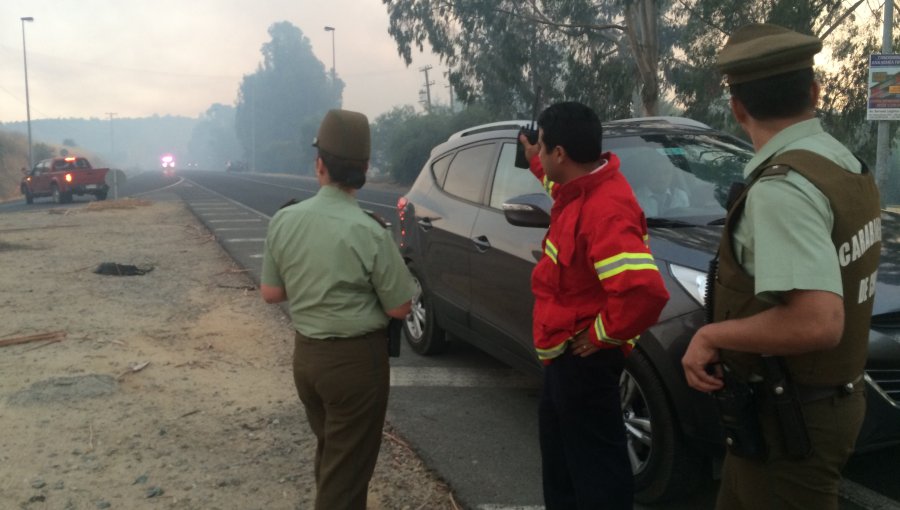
[[884, 87]]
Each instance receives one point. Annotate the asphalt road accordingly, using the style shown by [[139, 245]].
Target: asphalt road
[[472, 419]]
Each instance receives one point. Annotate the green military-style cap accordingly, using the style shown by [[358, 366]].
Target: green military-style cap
[[344, 134], [762, 50]]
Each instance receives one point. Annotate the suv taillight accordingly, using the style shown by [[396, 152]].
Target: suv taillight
[[402, 202]]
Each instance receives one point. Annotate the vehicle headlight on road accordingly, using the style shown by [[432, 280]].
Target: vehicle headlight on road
[[693, 281]]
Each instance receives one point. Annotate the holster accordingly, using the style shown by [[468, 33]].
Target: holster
[[788, 406], [395, 328], [739, 414]]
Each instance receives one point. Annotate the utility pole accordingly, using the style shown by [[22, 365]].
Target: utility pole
[[428, 85], [112, 139], [112, 152], [252, 126], [883, 147]]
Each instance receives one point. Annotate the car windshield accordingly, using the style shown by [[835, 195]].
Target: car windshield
[[684, 177]]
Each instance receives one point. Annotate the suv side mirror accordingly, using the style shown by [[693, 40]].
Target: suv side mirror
[[531, 210]]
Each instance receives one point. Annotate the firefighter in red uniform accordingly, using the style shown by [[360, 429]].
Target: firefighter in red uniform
[[596, 289]]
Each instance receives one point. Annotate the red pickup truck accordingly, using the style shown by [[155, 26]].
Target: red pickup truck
[[63, 177]]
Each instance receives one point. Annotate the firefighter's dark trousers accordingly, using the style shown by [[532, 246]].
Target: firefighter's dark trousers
[[583, 447], [344, 387]]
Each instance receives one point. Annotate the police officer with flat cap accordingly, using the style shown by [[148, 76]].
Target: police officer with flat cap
[[343, 278], [794, 287]]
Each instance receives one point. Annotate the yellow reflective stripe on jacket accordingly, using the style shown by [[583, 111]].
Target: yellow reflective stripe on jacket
[[624, 262], [552, 352], [601, 334], [548, 185], [550, 250]]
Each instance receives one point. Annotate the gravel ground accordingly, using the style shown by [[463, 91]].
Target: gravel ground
[[170, 389]]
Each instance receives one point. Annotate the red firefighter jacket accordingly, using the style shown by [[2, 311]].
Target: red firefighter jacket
[[597, 271]]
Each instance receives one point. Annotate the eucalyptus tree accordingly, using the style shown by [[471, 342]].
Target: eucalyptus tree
[[706, 24], [501, 51], [279, 106]]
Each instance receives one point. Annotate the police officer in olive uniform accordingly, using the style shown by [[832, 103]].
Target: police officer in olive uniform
[[794, 286], [343, 278]]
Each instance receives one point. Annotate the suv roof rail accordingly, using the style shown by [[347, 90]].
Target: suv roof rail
[[493, 126], [517, 124], [671, 119]]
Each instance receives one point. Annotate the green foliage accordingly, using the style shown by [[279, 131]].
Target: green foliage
[[402, 141], [500, 51], [282, 102], [41, 150], [285, 157], [213, 140]]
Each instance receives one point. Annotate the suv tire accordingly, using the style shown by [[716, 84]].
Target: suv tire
[[420, 327], [29, 198], [666, 467]]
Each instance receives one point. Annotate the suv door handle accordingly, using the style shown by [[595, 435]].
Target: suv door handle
[[481, 243], [425, 223]]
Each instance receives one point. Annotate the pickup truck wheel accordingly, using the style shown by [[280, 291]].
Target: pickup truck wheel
[[420, 327], [57, 196], [29, 198], [664, 465], [101, 195]]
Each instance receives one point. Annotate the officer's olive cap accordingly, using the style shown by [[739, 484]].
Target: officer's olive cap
[[762, 50], [344, 134]]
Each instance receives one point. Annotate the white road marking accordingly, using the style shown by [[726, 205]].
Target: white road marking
[[246, 240], [865, 497], [461, 377], [225, 229], [507, 507], [251, 220]]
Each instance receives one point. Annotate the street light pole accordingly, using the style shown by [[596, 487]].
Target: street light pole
[[27, 99], [333, 78], [112, 140]]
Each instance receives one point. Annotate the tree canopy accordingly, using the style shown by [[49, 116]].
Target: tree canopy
[[280, 105], [626, 57]]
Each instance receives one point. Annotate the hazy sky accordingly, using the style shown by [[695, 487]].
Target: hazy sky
[[140, 57]]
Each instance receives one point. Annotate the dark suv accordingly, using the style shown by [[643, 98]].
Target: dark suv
[[473, 268]]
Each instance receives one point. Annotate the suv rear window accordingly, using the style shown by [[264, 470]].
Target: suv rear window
[[468, 172], [439, 170]]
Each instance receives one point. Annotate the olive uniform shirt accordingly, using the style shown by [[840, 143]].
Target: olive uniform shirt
[[784, 238], [340, 268]]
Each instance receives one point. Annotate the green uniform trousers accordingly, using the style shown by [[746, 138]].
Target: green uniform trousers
[[343, 384], [812, 483]]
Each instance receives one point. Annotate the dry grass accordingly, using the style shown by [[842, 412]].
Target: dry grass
[[122, 203]]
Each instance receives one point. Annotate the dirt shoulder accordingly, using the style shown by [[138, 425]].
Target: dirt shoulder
[[171, 389]]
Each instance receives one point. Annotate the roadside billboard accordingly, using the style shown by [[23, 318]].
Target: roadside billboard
[[884, 87]]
